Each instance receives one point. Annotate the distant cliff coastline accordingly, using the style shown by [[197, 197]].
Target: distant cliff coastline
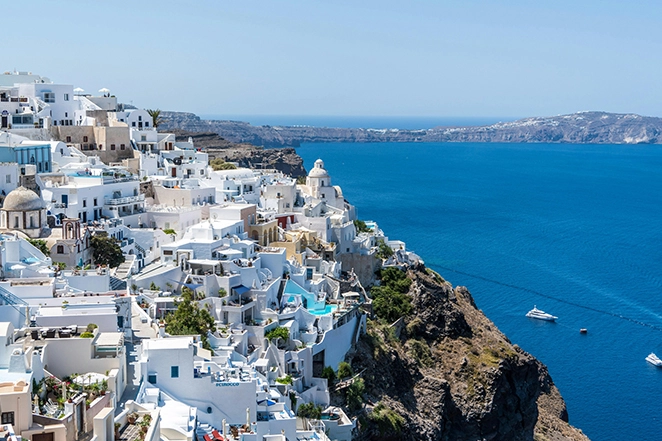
[[578, 128]]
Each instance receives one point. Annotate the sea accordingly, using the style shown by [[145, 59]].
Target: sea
[[575, 230]]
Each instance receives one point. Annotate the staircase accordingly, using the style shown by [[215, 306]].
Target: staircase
[[117, 284], [125, 268]]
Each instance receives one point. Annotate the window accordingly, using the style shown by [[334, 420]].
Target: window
[[7, 417], [140, 118], [146, 123], [133, 123], [68, 138], [66, 115], [66, 97], [167, 252], [8, 179], [84, 203], [49, 97], [174, 371], [122, 146], [143, 138], [95, 202], [60, 249], [112, 146], [84, 138], [151, 378]]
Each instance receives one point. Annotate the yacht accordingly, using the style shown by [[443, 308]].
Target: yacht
[[654, 360], [540, 315]]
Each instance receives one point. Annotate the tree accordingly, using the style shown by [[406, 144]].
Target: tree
[[310, 411], [361, 227], [328, 373], [106, 251], [190, 319], [40, 244], [156, 117], [384, 251]]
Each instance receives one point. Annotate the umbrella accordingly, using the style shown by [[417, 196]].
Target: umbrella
[[78, 90], [104, 90], [90, 378]]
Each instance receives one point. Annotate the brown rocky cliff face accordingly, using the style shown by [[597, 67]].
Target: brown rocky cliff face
[[284, 160], [452, 375]]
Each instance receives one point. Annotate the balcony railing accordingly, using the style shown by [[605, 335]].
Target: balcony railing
[[124, 200]]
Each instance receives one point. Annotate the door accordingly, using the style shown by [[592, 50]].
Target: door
[[42, 437], [4, 122]]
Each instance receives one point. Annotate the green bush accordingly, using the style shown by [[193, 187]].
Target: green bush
[[388, 422], [87, 335], [389, 304], [383, 251], [280, 331], [310, 411], [169, 231], [355, 394], [329, 374], [344, 370], [287, 379], [361, 227]]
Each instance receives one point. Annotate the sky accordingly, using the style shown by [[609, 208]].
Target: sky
[[363, 58]]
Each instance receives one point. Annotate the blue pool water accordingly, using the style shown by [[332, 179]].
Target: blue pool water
[[328, 309], [573, 229]]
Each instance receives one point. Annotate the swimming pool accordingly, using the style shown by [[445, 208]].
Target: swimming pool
[[327, 310]]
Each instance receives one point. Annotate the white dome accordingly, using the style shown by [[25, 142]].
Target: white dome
[[23, 199], [318, 170]]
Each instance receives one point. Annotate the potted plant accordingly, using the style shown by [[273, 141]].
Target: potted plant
[[132, 417], [117, 430]]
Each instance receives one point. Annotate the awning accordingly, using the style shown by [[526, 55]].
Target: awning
[[241, 289]]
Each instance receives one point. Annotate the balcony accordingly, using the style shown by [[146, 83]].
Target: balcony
[[124, 200]]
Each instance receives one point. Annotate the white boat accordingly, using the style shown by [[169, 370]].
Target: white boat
[[540, 315], [654, 360]]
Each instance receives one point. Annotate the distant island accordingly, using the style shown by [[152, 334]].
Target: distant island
[[576, 128]]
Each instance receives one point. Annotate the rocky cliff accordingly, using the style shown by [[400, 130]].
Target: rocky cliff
[[285, 160], [583, 127], [447, 373]]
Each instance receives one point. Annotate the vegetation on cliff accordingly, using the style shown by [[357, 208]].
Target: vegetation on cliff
[[432, 366]]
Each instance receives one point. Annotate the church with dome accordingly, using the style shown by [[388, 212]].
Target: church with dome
[[318, 185], [25, 211]]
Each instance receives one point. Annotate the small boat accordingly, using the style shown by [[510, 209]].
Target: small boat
[[583, 331], [654, 360], [540, 315]]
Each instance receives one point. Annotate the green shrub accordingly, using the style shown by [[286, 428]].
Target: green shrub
[[344, 370], [169, 231], [388, 422], [310, 411], [329, 374], [355, 394], [280, 331], [421, 352], [384, 251], [361, 227], [287, 379], [87, 335]]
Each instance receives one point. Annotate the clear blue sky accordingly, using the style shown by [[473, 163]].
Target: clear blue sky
[[313, 57]]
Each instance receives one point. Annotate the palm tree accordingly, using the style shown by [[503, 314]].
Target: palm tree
[[156, 117]]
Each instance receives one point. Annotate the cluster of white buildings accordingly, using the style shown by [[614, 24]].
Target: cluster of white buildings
[[84, 349]]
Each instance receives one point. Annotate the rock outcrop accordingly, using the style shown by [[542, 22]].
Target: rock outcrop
[[583, 127], [452, 375], [285, 160]]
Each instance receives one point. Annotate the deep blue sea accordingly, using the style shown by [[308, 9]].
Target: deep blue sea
[[573, 229]]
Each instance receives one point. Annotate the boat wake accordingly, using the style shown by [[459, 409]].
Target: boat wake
[[558, 299]]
